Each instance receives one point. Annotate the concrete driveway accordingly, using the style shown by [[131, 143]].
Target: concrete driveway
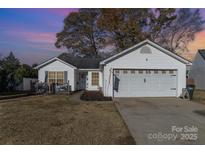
[[163, 120]]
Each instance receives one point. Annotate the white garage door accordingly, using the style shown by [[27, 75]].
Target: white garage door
[[144, 83]]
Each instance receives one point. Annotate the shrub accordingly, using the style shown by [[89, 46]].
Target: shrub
[[94, 96]]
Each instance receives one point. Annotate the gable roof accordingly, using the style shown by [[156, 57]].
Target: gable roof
[[52, 60], [155, 45], [81, 62], [74, 62], [94, 63], [202, 53]]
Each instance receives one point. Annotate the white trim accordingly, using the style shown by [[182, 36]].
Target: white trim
[[53, 59], [38, 66], [151, 43], [89, 85], [56, 76], [88, 69], [116, 55], [170, 53]]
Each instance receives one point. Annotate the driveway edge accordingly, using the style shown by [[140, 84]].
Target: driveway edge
[[124, 120]]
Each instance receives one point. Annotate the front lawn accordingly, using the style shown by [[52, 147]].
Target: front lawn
[[57, 119], [199, 96]]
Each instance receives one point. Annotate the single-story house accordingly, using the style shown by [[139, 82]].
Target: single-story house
[[197, 71], [144, 70]]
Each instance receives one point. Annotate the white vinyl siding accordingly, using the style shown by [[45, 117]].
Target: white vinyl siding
[[145, 83], [156, 60], [58, 66], [197, 72]]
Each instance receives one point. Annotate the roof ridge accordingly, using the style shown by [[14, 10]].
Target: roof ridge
[[152, 43], [80, 62]]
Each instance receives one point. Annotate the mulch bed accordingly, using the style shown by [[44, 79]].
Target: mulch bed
[[94, 96]]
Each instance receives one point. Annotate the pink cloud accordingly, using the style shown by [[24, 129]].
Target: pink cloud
[[198, 43], [48, 47], [57, 11], [63, 11], [43, 41], [35, 37], [39, 37]]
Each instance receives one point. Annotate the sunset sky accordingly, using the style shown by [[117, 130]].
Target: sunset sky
[[30, 33]]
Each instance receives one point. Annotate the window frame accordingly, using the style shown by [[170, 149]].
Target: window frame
[[56, 77], [164, 72], [95, 78], [125, 71], [156, 72], [171, 71], [132, 71], [148, 71], [117, 71]]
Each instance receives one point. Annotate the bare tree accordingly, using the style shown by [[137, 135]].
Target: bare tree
[[182, 30]]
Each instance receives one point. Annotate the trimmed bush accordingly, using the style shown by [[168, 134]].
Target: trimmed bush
[[94, 96]]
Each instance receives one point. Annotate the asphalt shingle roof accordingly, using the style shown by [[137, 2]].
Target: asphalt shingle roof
[[81, 62], [202, 53]]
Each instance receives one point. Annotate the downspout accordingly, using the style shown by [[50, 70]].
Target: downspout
[[109, 78], [103, 83]]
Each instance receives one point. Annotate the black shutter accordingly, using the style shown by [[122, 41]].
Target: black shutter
[[65, 76], [116, 83], [46, 76]]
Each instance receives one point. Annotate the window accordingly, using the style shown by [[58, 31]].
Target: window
[[132, 71], [56, 77], [95, 78], [171, 72], [163, 72], [60, 77], [145, 50], [51, 77], [155, 72], [124, 71], [117, 71], [148, 72], [140, 71]]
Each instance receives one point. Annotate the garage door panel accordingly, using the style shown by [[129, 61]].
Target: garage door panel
[[145, 83]]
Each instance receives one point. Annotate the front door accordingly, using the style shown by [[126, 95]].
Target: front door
[[82, 81]]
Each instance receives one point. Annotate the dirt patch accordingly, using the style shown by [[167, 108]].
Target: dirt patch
[[55, 119]]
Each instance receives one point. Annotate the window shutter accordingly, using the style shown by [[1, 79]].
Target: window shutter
[[116, 83], [46, 76], [65, 76]]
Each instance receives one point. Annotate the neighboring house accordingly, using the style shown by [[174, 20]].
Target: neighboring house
[[144, 70], [197, 71]]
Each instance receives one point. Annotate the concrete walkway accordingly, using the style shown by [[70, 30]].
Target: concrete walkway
[[163, 120]]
